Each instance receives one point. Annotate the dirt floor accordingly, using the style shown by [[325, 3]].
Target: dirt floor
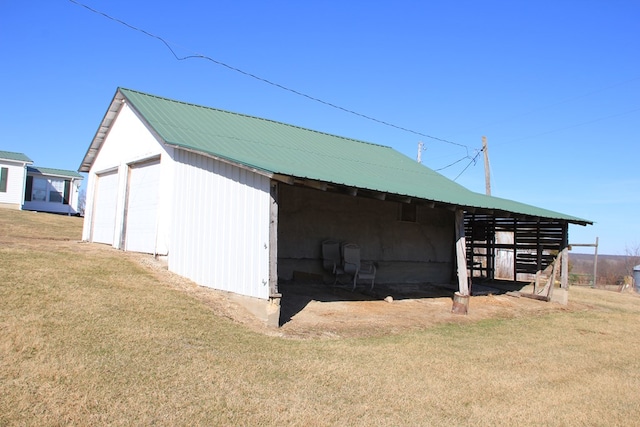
[[314, 310], [320, 311]]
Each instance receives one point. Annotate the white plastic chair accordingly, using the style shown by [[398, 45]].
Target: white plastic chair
[[353, 265]]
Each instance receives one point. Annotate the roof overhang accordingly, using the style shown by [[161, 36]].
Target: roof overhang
[[17, 162], [35, 171], [102, 132], [378, 195]]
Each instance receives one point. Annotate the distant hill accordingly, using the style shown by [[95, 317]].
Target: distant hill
[[611, 268]]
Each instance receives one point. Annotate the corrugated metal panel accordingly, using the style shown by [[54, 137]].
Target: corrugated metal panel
[[289, 150], [220, 232]]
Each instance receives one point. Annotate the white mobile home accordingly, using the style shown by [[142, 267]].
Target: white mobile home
[[237, 202], [52, 190], [13, 175]]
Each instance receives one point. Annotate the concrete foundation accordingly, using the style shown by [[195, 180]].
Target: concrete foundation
[[10, 206], [560, 296], [268, 311]]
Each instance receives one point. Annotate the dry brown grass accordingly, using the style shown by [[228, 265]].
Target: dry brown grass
[[89, 336]]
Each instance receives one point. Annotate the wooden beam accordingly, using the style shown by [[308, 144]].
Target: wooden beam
[[533, 296], [317, 185], [372, 194], [403, 199], [461, 254], [283, 178], [351, 191]]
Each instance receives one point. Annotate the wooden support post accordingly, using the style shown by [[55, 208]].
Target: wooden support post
[[461, 254], [564, 275], [515, 250], [536, 284], [552, 279]]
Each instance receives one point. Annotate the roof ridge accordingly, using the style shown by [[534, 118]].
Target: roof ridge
[[251, 117]]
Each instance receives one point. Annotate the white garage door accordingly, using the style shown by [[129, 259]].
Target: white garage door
[[142, 207], [104, 208]]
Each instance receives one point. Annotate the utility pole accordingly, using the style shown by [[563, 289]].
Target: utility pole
[[487, 172], [420, 149]]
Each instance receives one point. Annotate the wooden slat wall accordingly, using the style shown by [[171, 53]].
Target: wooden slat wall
[[536, 242]]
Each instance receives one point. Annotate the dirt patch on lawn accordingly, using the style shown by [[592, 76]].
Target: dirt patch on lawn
[[319, 311], [330, 313]]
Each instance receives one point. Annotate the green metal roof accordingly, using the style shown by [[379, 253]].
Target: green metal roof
[[10, 155], [54, 172], [278, 148]]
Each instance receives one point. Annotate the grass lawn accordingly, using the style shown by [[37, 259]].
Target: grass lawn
[[88, 336]]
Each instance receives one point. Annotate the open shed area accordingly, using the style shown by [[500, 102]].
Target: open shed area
[[241, 204]]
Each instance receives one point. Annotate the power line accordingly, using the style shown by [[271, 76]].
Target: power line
[[572, 126], [452, 164], [560, 102], [261, 79], [473, 160]]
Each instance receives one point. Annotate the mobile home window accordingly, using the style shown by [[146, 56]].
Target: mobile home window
[[4, 174], [39, 190], [56, 190], [48, 190]]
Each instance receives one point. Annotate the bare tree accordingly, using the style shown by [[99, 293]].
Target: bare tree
[[82, 201]]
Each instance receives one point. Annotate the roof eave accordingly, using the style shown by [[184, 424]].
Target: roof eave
[[241, 165], [55, 175], [324, 185], [102, 132], [22, 162]]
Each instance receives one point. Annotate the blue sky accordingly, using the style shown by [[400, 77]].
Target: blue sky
[[553, 85]]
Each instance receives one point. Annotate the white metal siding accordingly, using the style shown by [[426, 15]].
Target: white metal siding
[[142, 207], [220, 228], [15, 184], [104, 208]]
